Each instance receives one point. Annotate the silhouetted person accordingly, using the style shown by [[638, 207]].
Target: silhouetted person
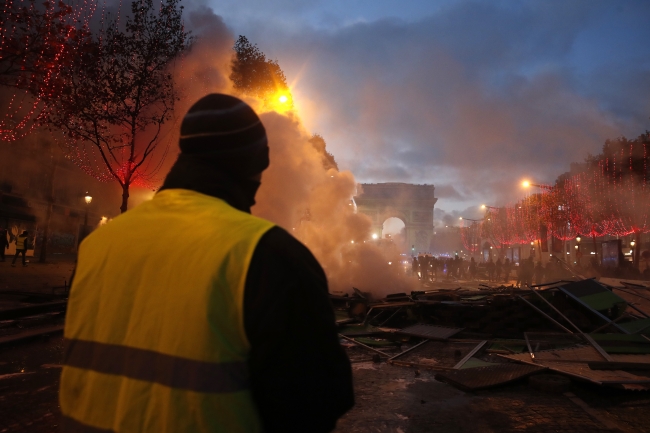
[[490, 269], [472, 268], [21, 247], [498, 267], [424, 267], [506, 270], [539, 273], [528, 270], [415, 267]]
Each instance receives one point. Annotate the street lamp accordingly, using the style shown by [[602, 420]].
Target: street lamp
[[527, 184], [473, 234], [87, 198]]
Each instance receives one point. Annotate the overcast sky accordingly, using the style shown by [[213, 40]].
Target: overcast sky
[[471, 96]]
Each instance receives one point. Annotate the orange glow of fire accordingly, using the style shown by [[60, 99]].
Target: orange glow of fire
[[281, 102]]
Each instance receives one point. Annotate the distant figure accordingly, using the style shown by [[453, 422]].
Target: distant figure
[[490, 269], [539, 273], [472, 268], [4, 243], [21, 247], [528, 270], [458, 263], [506, 270], [551, 271], [415, 267], [424, 267], [498, 267]]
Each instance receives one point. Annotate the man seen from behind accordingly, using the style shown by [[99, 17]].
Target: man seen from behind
[[188, 314]]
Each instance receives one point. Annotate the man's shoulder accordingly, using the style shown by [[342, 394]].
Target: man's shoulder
[[278, 240], [279, 247]]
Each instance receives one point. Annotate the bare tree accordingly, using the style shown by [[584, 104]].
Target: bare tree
[[119, 92], [35, 41]]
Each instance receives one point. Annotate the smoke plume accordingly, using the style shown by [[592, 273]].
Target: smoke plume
[[298, 192]]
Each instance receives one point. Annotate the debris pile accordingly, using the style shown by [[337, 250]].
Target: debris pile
[[589, 330]]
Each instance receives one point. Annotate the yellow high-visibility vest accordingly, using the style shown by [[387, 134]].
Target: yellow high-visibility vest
[[20, 242], [154, 333]]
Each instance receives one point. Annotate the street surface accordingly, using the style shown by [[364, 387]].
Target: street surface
[[388, 398]]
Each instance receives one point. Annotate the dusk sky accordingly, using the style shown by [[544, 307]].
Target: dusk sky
[[472, 96]]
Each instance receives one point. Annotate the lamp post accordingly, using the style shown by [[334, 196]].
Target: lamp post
[[474, 235], [87, 198], [632, 244], [527, 184]]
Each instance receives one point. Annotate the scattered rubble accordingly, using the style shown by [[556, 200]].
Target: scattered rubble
[[580, 329]]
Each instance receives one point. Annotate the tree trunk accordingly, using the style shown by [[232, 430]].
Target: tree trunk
[[125, 197], [637, 249], [48, 214]]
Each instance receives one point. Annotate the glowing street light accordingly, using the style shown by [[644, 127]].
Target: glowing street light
[[88, 198], [375, 236], [282, 101], [527, 184]]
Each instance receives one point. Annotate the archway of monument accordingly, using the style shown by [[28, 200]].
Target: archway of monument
[[393, 226], [394, 230], [413, 204]]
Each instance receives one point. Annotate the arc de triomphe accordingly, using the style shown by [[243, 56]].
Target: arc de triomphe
[[413, 204]]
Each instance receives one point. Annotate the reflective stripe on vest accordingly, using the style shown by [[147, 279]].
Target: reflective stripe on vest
[[154, 334], [20, 242]]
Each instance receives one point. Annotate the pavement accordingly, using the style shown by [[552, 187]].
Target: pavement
[[47, 277], [388, 398], [401, 400]]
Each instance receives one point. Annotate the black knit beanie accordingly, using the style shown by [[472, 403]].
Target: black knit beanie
[[225, 132]]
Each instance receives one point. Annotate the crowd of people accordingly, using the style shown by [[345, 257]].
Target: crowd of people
[[525, 273]]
